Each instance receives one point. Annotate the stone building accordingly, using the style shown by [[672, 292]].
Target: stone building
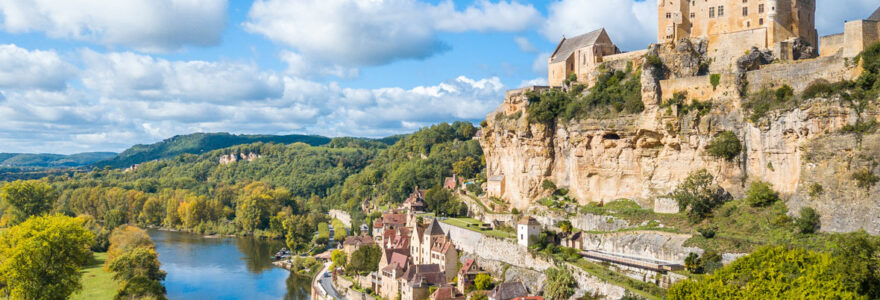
[[857, 36], [467, 275], [579, 55], [526, 228], [732, 27], [508, 291], [430, 245], [495, 186]]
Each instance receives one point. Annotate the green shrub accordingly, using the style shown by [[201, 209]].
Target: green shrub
[[767, 100], [815, 190], [784, 93], [715, 80], [710, 261], [761, 194], [726, 145], [865, 178], [698, 195], [860, 128], [654, 61], [545, 107], [808, 221], [548, 185], [484, 124], [692, 263], [614, 92], [707, 231]]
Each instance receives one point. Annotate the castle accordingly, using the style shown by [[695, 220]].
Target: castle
[[730, 28]]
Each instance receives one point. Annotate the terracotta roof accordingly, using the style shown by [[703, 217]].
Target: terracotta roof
[[358, 241], [875, 16], [466, 266], [447, 292], [424, 275], [508, 290], [389, 253], [568, 46], [527, 220], [441, 245], [394, 219]]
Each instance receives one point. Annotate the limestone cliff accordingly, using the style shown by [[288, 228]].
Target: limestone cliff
[[646, 156]]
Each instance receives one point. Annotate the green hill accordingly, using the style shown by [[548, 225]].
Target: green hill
[[198, 143], [43, 160]]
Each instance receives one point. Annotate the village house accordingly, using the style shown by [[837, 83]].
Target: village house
[[495, 186], [392, 267], [447, 292], [415, 203], [526, 229], [352, 243], [579, 56], [450, 183], [390, 222], [508, 291], [430, 245], [467, 274], [419, 278]]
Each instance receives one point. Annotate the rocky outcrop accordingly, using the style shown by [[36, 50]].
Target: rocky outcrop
[[231, 158], [645, 244]]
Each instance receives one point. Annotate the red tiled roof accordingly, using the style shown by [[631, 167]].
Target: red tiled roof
[[445, 293], [466, 266]]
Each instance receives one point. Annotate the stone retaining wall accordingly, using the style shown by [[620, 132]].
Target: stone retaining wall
[[645, 244], [342, 216]]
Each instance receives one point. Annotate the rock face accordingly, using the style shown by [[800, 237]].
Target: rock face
[[644, 157]]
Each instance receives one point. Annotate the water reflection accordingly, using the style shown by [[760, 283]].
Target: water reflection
[[224, 268]]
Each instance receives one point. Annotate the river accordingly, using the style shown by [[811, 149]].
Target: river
[[224, 268]]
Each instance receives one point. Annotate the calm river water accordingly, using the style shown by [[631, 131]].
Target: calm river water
[[224, 268]]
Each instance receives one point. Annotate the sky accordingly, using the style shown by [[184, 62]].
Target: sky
[[97, 75]]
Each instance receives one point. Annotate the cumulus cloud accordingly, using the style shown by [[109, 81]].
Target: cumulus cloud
[[525, 45], [632, 25], [539, 65], [146, 25], [355, 33], [533, 82], [133, 75], [23, 69]]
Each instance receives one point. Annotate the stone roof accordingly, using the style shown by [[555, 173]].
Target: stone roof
[[508, 290], [434, 228], [568, 46], [875, 16], [424, 275], [527, 220], [441, 245], [358, 241]]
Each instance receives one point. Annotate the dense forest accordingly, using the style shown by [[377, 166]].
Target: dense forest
[[52, 160], [272, 190], [199, 143]]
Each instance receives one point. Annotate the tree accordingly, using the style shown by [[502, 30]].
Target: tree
[[565, 226], [770, 273], [27, 198], [808, 222], [560, 284], [467, 167], [365, 259], [339, 258], [700, 194], [125, 239], [726, 145], [693, 263], [41, 258], [138, 271], [761, 194], [483, 281]]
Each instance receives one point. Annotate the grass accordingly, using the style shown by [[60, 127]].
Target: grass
[[339, 232], [644, 289], [475, 226], [97, 282]]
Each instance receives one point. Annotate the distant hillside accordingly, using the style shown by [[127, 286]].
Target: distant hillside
[[26, 160], [198, 143]]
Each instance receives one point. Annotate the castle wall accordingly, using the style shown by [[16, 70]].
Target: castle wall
[[699, 88], [799, 75], [557, 73], [725, 49], [830, 45], [858, 35], [619, 61]]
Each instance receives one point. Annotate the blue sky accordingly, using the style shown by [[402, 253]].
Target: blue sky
[[92, 75]]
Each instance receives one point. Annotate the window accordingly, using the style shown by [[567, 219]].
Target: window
[[721, 10], [761, 21], [760, 8], [693, 15], [745, 11], [669, 15], [712, 12]]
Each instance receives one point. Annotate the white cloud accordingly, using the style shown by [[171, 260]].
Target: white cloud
[[133, 75], [539, 65], [146, 25], [542, 81], [525, 45], [374, 32], [300, 66], [632, 25], [23, 69]]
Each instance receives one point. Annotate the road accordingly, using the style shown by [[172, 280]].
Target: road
[[327, 283]]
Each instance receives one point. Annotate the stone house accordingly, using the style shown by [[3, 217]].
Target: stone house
[[467, 274], [450, 183], [352, 243], [732, 27], [579, 55], [526, 229], [508, 291], [418, 279], [495, 186], [392, 267], [415, 203], [447, 292], [857, 35], [574, 240], [389, 222], [430, 245]]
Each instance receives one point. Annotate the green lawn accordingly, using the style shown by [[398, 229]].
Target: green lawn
[[464, 222], [97, 282]]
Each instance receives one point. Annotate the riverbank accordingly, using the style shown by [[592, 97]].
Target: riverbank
[[97, 282]]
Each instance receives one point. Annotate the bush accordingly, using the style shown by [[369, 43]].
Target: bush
[[692, 263], [726, 145], [761, 194], [484, 124], [808, 222], [707, 231], [710, 261], [767, 100], [698, 195], [483, 282], [784, 93], [654, 61], [715, 80], [865, 178], [548, 185], [815, 190]]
